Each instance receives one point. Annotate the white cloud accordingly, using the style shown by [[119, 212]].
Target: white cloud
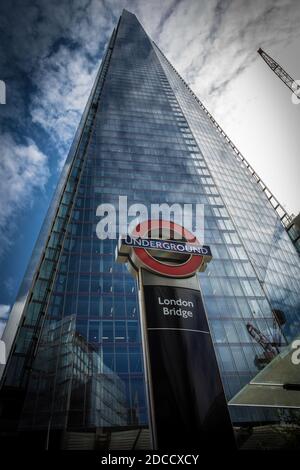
[[4, 311], [212, 43], [2, 327], [64, 78], [23, 169], [213, 46], [64, 81]]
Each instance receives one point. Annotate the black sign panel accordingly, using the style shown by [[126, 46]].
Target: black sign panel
[[171, 307], [189, 406]]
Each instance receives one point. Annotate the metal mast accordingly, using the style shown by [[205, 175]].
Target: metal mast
[[281, 73]]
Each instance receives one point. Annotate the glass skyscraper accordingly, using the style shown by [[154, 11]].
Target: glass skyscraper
[[74, 376]]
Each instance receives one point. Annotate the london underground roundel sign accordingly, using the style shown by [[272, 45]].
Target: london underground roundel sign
[[164, 257]]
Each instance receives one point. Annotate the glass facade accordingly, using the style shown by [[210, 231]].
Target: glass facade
[[293, 230], [76, 366], [255, 277]]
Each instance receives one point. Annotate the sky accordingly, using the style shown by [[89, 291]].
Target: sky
[[50, 51]]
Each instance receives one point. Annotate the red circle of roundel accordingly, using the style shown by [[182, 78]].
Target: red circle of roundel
[[183, 270]]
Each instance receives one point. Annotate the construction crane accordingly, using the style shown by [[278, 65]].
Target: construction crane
[[271, 347], [281, 73]]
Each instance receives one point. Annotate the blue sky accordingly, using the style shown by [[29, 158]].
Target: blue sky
[[49, 55]]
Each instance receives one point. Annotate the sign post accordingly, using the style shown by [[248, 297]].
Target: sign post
[[187, 405]]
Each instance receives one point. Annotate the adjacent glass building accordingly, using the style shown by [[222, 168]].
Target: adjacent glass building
[[74, 377]]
